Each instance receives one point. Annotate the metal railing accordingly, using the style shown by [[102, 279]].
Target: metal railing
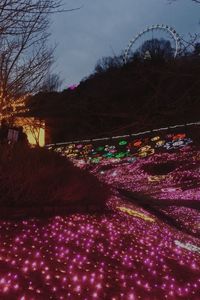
[[123, 136]]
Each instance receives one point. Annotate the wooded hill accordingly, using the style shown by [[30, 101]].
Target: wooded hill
[[140, 95]]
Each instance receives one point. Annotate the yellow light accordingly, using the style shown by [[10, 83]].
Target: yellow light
[[136, 214], [155, 138], [31, 136], [34, 129], [156, 178], [42, 137]]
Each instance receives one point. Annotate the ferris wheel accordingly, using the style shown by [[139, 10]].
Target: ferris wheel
[[171, 33]]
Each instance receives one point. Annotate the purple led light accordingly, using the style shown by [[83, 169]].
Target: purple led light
[[129, 254]]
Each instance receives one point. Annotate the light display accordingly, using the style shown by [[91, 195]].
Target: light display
[[188, 246], [156, 178], [129, 253], [88, 257], [130, 148], [34, 129], [136, 214]]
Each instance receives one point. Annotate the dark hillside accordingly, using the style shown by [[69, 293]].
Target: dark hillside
[[38, 182], [135, 97]]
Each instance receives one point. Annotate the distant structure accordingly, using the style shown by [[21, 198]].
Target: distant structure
[[147, 55], [173, 35]]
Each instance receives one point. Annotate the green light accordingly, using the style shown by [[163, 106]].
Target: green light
[[93, 152], [123, 142], [108, 155], [100, 148], [95, 160], [121, 154]]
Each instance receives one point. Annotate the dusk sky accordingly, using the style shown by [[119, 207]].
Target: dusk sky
[[104, 27]]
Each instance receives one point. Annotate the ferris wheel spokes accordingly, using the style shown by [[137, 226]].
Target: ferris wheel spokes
[[170, 30]]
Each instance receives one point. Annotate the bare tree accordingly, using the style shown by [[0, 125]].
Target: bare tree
[[189, 45], [15, 13], [51, 83], [108, 62], [25, 58]]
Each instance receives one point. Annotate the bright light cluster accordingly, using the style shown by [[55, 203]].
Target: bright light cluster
[[129, 253], [119, 256], [171, 177], [129, 148], [180, 181]]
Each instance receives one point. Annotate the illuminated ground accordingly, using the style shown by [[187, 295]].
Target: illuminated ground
[[146, 247]]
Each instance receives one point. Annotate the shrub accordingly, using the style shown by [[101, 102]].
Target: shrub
[[37, 181]]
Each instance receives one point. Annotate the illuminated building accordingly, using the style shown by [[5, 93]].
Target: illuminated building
[[32, 127]]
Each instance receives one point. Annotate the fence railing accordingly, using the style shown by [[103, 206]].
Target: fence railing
[[124, 136]]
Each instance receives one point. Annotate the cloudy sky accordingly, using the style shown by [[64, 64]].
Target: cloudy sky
[[103, 27]]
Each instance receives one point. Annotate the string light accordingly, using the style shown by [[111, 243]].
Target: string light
[[143, 148], [187, 246], [126, 254], [137, 214]]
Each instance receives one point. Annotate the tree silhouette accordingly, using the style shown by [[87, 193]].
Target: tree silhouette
[[25, 55], [51, 83], [109, 62], [155, 49], [196, 49]]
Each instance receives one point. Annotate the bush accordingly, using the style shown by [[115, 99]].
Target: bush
[[37, 181]]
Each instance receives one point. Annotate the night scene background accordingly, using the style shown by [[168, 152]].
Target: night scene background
[[99, 150]]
